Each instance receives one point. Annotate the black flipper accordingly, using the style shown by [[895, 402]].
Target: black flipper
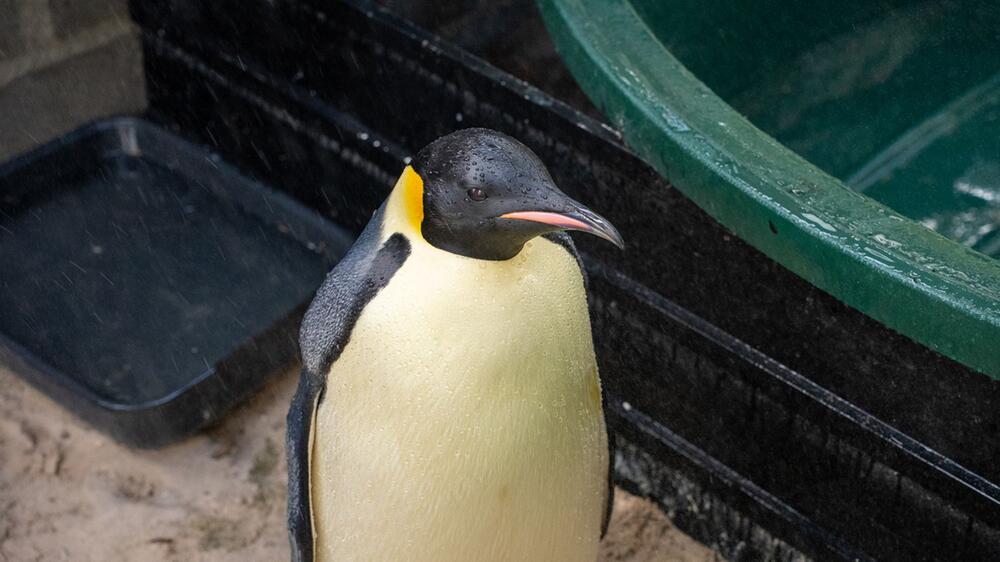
[[298, 444], [564, 240], [326, 330], [609, 502]]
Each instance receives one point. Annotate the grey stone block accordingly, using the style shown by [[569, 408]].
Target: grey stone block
[[71, 16], [10, 31], [54, 99], [11, 44]]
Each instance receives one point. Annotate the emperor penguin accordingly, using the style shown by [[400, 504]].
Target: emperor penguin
[[449, 407]]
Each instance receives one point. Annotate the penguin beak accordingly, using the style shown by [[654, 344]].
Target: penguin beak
[[579, 218]]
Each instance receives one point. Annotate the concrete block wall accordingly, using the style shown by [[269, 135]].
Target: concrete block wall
[[63, 63]]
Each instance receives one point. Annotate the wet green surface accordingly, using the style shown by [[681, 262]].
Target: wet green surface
[[898, 99], [946, 171], [773, 116]]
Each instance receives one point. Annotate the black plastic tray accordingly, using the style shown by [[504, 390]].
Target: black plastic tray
[[145, 283]]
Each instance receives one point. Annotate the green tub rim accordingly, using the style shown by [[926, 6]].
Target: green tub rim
[[913, 280]]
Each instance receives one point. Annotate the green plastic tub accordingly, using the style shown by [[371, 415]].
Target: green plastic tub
[[856, 143]]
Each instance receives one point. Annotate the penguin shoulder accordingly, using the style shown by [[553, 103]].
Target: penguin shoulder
[[347, 289]]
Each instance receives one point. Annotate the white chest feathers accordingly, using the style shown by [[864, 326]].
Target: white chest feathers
[[463, 420]]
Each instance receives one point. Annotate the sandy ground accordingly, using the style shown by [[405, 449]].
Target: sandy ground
[[69, 493]]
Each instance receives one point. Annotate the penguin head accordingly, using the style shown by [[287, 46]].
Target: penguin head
[[485, 195]]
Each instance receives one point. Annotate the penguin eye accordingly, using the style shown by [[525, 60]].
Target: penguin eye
[[477, 194]]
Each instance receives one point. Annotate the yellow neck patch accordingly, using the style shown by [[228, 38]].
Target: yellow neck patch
[[411, 187], [404, 211]]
